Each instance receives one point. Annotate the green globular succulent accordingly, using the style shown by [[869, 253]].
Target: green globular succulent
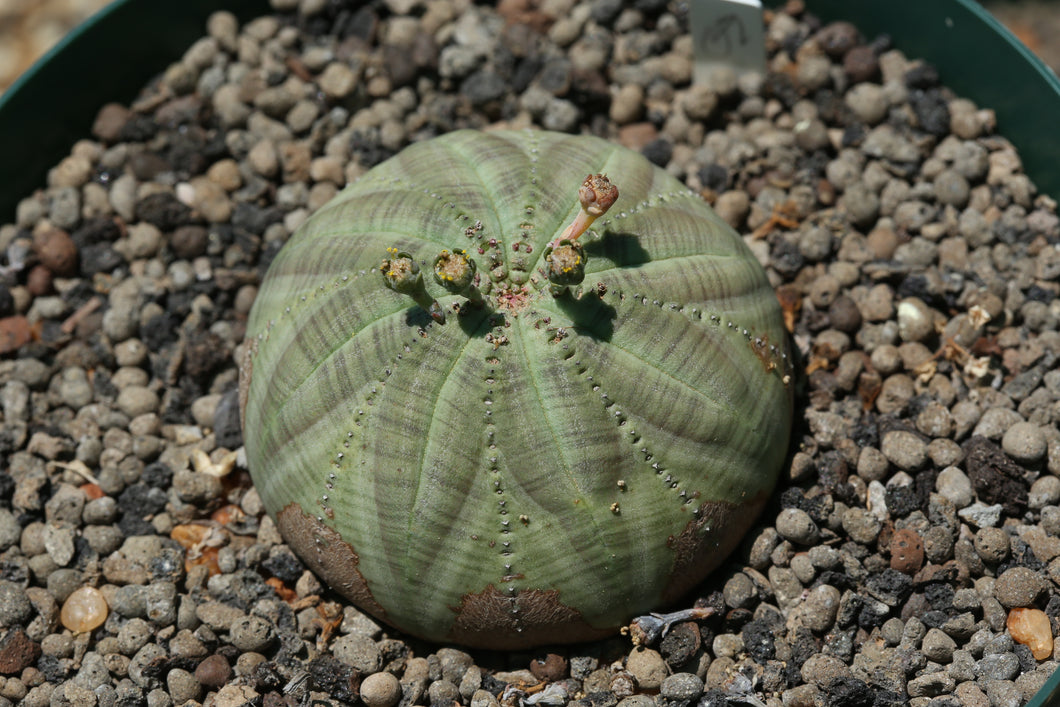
[[574, 422]]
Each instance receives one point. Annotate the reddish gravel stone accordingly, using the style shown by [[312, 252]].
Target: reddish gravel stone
[[57, 251], [109, 122], [15, 333], [907, 551], [838, 38], [637, 135], [39, 281], [550, 667], [213, 672], [17, 652], [861, 64], [189, 242]]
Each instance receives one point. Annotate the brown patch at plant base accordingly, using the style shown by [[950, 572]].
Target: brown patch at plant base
[[329, 556], [500, 621], [707, 541]]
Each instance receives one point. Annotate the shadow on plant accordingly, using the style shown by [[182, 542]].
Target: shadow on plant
[[622, 249], [589, 315]]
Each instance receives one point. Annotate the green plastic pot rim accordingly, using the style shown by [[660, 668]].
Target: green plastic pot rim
[[71, 37], [109, 57]]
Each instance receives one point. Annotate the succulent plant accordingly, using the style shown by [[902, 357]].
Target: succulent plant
[[572, 422]]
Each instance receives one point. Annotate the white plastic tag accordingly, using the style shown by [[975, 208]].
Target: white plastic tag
[[727, 33]]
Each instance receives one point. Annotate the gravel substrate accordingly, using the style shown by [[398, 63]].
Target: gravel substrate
[[911, 555]]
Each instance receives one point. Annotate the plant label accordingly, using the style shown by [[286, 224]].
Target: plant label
[[727, 33]]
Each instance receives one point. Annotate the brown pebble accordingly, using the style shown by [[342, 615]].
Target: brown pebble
[[636, 135], [907, 551], [15, 333], [57, 251], [733, 206], [110, 121], [844, 314], [916, 605], [825, 192], [523, 13], [837, 38], [882, 242], [549, 667], [145, 166], [17, 652], [951, 572], [204, 354], [1031, 627], [189, 242], [213, 672], [39, 281], [861, 64]]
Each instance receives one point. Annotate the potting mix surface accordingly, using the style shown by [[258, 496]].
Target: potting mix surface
[[911, 554]]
